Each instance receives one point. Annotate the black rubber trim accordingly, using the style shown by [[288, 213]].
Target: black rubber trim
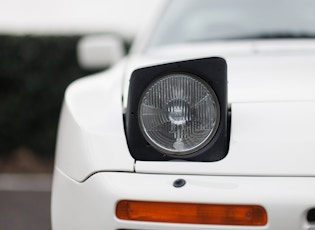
[[214, 72], [311, 216]]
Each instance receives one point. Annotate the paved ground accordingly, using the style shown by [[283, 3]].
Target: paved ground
[[25, 202]]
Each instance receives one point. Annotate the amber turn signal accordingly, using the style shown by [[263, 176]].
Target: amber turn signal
[[190, 213]]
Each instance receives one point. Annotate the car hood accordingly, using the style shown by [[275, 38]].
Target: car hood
[[271, 91], [257, 71]]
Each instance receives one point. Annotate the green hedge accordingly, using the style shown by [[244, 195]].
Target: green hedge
[[34, 73]]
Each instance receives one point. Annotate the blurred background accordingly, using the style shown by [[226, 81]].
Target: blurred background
[[38, 59]]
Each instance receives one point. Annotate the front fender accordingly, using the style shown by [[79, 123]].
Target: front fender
[[91, 134]]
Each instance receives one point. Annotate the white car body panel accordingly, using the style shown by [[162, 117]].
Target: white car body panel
[[271, 93], [91, 204], [91, 136], [267, 139], [260, 109], [270, 160], [258, 71]]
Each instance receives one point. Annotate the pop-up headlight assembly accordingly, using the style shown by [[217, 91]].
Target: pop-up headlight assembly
[[178, 110]]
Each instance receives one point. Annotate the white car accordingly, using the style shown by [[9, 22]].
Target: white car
[[209, 123]]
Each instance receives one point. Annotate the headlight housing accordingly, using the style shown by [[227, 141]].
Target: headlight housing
[[178, 110]]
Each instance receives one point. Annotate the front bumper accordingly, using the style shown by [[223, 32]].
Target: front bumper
[[91, 204]]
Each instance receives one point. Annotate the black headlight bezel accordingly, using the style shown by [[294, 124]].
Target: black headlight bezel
[[213, 71]]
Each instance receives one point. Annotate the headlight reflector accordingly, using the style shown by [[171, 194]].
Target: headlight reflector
[[179, 114]]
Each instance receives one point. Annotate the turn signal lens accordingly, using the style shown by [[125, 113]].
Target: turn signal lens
[[179, 114], [189, 213]]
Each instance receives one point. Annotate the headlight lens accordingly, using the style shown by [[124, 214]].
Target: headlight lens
[[179, 114]]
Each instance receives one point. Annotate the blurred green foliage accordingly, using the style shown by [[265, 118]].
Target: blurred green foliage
[[34, 73]]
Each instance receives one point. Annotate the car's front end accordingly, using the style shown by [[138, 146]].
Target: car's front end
[[177, 138]]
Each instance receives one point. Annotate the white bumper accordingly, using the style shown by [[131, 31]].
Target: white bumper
[[91, 204]]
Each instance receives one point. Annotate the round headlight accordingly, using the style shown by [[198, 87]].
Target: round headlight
[[179, 114]]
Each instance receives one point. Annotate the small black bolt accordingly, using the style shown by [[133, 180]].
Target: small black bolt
[[179, 183]]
